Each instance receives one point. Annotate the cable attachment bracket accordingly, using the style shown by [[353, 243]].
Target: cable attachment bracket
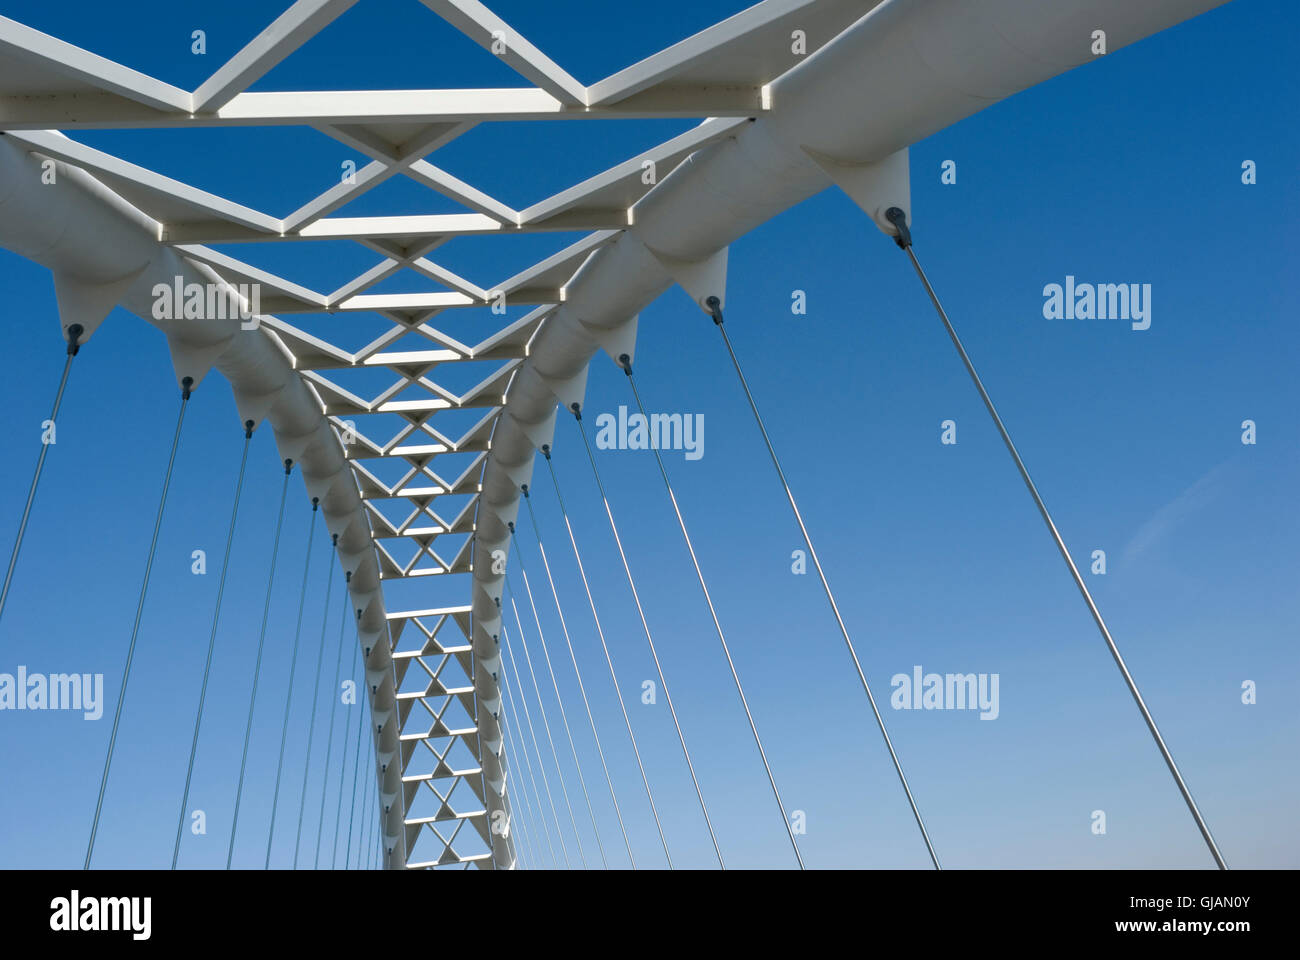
[[898, 218], [75, 330]]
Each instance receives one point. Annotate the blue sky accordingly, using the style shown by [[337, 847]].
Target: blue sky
[[1128, 170]]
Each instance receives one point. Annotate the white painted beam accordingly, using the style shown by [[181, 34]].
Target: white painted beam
[[20, 42], [487, 29], [164, 191], [287, 33], [662, 66]]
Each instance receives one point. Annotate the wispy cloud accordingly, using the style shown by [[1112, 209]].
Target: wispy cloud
[[1164, 521]]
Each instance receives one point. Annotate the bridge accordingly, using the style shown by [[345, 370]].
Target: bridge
[[428, 481]]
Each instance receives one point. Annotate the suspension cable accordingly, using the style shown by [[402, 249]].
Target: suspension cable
[[377, 831], [380, 848], [523, 697], [376, 844], [559, 701], [374, 853], [532, 804], [368, 843], [645, 626], [293, 670], [334, 702], [75, 331], [212, 640], [904, 240], [581, 689], [523, 843], [356, 764], [507, 770], [473, 709], [600, 632], [257, 667], [715, 308], [343, 770], [539, 814], [187, 384], [369, 816], [315, 700], [626, 362], [377, 847]]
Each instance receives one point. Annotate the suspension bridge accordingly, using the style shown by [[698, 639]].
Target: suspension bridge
[[462, 718]]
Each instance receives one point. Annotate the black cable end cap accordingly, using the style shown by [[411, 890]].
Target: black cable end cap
[[315, 504], [546, 450], [288, 467], [248, 429], [75, 330], [898, 218], [626, 363], [714, 306], [187, 387], [577, 410]]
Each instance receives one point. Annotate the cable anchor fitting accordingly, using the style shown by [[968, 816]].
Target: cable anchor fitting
[[75, 330], [898, 218]]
